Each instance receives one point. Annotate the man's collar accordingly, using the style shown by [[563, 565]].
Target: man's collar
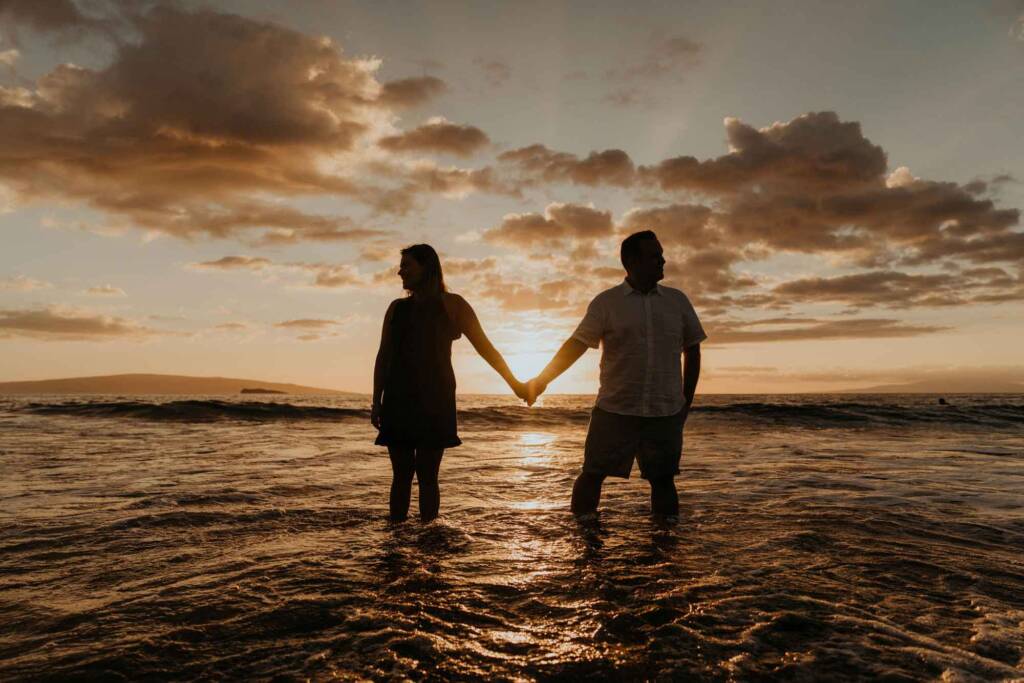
[[627, 289]]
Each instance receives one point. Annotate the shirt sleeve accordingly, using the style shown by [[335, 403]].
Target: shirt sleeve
[[693, 332], [591, 328]]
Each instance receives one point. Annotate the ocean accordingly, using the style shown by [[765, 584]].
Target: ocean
[[820, 537]]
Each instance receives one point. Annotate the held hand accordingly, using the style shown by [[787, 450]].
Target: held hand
[[519, 389], [535, 387], [375, 416]]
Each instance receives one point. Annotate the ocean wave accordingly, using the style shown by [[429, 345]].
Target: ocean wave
[[808, 414]]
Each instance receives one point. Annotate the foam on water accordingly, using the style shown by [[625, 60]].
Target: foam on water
[[250, 546]]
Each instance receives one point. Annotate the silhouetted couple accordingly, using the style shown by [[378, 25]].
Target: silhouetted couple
[[642, 404]]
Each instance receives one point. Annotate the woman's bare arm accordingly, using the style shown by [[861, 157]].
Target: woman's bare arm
[[469, 325]]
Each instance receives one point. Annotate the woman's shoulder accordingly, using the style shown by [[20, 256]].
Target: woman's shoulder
[[455, 307], [393, 306], [453, 299]]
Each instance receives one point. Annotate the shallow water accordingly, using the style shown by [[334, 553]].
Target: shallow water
[[820, 537]]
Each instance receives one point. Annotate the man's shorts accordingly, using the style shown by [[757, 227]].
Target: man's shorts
[[614, 440]]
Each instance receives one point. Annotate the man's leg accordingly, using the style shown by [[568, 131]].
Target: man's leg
[[428, 463], [402, 469], [664, 499], [586, 493]]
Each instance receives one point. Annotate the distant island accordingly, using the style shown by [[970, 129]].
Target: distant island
[[159, 384]]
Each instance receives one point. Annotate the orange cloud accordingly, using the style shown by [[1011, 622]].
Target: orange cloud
[[537, 162], [438, 136], [197, 120], [54, 323], [560, 222]]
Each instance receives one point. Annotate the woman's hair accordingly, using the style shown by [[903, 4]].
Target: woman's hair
[[433, 278]]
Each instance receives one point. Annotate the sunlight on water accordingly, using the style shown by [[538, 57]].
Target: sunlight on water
[[819, 538], [535, 438]]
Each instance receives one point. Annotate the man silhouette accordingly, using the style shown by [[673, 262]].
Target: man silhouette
[[645, 396]]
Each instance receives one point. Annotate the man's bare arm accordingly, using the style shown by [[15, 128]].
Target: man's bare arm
[[568, 354], [691, 373]]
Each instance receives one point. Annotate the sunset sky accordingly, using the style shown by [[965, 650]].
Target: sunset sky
[[223, 188]]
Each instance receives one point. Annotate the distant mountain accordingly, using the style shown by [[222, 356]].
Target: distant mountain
[[153, 384], [944, 386]]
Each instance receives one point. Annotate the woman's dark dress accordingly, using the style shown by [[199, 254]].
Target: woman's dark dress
[[418, 406]]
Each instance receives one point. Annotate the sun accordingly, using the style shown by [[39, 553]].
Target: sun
[[526, 365]]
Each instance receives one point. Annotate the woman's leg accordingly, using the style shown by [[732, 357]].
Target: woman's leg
[[402, 468], [428, 462]]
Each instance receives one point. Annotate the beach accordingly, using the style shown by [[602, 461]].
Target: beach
[[820, 537]]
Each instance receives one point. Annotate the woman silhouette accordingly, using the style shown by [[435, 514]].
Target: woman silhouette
[[413, 382]]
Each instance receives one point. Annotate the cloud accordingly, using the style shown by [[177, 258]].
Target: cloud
[[813, 151], [232, 327], [199, 117], [411, 92], [547, 296], [331, 276], [67, 325], [106, 290], [50, 15], [20, 283], [324, 275], [686, 225], [9, 57], [816, 183], [495, 72], [665, 59], [307, 324], [438, 136], [803, 329], [462, 267], [537, 163], [234, 263], [895, 289], [560, 224]]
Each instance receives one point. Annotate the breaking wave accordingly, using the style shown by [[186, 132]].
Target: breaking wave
[[811, 413]]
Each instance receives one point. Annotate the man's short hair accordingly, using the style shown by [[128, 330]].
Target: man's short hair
[[630, 248]]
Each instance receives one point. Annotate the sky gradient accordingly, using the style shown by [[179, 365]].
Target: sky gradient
[[223, 188]]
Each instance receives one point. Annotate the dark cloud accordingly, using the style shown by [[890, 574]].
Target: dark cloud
[[812, 152], [776, 330], [439, 137], [42, 15], [560, 224], [538, 163], [411, 92], [197, 120], [60, 325], [895, 289], [817, 184]]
